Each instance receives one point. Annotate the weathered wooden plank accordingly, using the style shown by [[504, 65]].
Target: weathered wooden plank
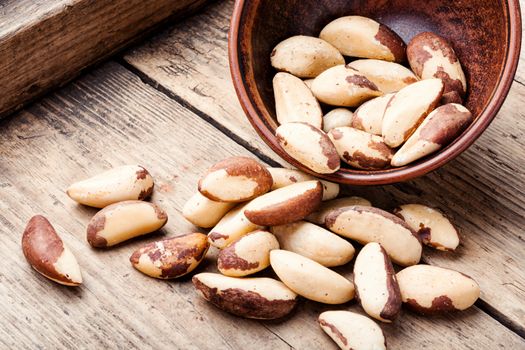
[[45, 43], [482, 189], [108, 118]]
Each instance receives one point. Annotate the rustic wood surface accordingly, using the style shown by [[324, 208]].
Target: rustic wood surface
[[46, 43], [173, 94]]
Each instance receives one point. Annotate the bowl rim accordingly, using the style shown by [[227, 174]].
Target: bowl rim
[[394, 175]]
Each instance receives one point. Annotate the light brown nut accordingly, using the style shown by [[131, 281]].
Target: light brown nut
[[343, 86], [284, 177], [314, 242], [368, 224], [360, 149], [295, 102], [358, 36], [309, 146], [432, 56], [351, 331], [285, 205], [311, 279], [259, 298], [319, 216], [432, 226], [433, 290], [369, 116], [248, 255], [407, 109], [337, 117], [47, 254], [171, 258], [440, 128], [231, 227], [376, 284], [235, 179], [305, 56], [388, 76], [128, 182], [121, 221], [204, 212]]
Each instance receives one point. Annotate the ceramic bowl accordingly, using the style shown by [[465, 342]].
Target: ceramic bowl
[[486, 35]]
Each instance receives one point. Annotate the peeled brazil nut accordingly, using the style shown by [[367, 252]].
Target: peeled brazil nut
[[432, 226], [235, 179], [343, 86], [440, 128], [259, 298], [284, 177], [305, 56], [369, 116], [172, 257], [314, 242], [204, 212], [351, 331], [358, 36], [294, 101], [121, 221], [309, 146], [376, 284], [311, 279], [248, 255], [360, 149], [433, 290], [231, 227], [407, 109], [368, 224], [128, 182], [337, 117], [47, 254], [285, 205], [319, 216], [431, 56], [388, 76]]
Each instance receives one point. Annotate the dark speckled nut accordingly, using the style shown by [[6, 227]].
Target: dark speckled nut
[[358, 36], [432, 56], [47, 254], [352, 331], [235, 179], [376, 284], [344, 86], [258, 298], [121, 221], [171, 258], [248, 255], [360, 149], [309, 146], [128, 182], [439, 129], [434, 290], [285, 205]]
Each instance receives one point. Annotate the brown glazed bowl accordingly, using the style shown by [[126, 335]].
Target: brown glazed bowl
[[486, 35]]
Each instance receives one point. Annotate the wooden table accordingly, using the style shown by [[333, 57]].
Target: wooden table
[[169, 105]]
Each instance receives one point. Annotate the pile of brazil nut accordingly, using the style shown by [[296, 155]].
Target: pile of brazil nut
[[400, 115], [281, 218]]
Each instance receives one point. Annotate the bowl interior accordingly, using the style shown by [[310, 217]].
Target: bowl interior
[[478, 30]]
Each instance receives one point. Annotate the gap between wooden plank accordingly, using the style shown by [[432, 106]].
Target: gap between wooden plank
[[481, 304]]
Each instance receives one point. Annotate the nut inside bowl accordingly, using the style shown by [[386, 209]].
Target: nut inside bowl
[[485, 34]]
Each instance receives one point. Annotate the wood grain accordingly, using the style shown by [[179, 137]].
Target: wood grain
[[482, 189], [108, 118], [46, 43]]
